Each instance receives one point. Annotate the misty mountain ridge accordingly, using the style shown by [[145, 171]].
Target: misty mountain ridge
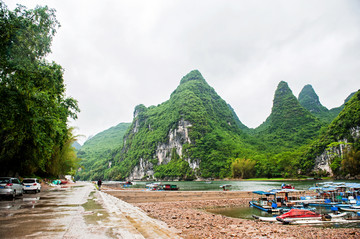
[[195, 133]]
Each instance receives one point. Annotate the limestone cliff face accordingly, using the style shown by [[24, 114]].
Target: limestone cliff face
[[323, 161], [142, 171], [176, 139]]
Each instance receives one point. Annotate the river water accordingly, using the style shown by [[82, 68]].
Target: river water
[[240, 185]]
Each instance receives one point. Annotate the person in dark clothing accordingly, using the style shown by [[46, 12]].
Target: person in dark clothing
[[99, 183]]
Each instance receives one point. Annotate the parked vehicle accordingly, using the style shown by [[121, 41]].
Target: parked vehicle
[[31, 184], [10, 187]]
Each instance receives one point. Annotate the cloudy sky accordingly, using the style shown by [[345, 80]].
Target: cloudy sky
[[118, 54]]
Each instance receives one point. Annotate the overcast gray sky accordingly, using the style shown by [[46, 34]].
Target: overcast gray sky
[[118, 54]]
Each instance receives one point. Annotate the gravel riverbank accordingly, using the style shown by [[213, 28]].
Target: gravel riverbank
[[193, 221]]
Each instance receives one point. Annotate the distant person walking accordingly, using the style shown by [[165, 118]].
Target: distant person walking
[[99, 183]]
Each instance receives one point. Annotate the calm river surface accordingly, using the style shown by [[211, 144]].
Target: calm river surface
[[241, 185]]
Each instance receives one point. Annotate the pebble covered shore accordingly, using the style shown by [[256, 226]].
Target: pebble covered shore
[[191, 221]]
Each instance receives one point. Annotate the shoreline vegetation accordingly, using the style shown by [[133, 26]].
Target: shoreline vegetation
[[185, 212]]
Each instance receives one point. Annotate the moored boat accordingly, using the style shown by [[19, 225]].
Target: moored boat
[[266, 202], [322, 221], [154, 187], [226, 187], [265, 219], [287, 186], [350, 209], [298, 214], [170, 187]]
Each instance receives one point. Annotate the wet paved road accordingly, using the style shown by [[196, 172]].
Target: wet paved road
[[75, 212], [47, 214]]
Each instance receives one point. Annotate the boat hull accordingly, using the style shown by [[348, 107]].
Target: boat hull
[[269, 210]]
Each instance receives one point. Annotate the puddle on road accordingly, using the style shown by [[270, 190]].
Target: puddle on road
[[97, 212]]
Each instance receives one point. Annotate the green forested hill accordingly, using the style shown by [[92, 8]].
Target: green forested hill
[[214, 134], [108, 139], [310, 101], [344, 130], [196, 134], [289, 125], [96, 153]]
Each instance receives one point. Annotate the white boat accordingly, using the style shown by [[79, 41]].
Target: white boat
[[350, 209], [320, 221], [265, 219]]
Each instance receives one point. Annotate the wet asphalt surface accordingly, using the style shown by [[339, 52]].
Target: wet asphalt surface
[[79, 211], [47, 214]]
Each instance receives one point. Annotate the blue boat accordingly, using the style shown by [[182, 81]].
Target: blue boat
[[266, 202], [342, 195]]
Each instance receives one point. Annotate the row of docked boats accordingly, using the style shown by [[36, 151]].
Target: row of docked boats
[[293, 207], [302, 216]]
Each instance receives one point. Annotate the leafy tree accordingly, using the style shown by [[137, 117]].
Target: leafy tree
[[351, 162], [33, 106], [242, 168]]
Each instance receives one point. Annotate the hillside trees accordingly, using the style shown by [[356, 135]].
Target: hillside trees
[[242, 168], [345, 127], [33, 107]]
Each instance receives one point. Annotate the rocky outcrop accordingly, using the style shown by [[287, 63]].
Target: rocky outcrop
[[323, 161], [144, 170], [176, 139]]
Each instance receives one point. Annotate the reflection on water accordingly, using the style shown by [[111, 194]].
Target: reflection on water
[[241, 212]]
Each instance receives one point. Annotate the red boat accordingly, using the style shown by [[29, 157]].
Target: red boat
[[287, 186], [170, 187], [298, 214]]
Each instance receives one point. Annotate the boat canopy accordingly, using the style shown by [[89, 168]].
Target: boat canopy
[[298, 213], [286, 190], [263, 193]]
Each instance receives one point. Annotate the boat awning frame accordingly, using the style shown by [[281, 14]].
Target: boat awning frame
[[263, 193]]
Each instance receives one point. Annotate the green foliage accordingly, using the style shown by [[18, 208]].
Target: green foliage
[[214, 131], [216, 136], [177, 168], [351, 162], [33, 106], [97, 153], [289, 125], [310, 101], [242, 168], [341, 128]]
